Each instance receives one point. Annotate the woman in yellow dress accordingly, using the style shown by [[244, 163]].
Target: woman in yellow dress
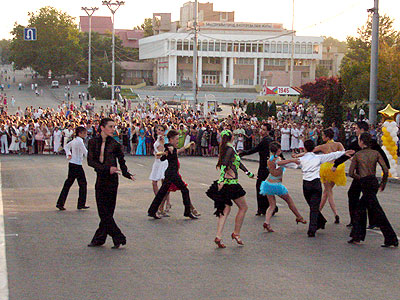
[[329, 178]]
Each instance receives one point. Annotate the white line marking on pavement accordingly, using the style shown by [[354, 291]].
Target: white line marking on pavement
[[12, 218], [140, 165], [11, 234], [204, 184], [4, 294]]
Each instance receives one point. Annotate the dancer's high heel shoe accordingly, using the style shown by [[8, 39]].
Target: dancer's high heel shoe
[[195, 212], [301, 220], [236, 237], [268, 227], [219, 243]]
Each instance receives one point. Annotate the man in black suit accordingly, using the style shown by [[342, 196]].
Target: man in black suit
[[104, 151], [263, 150], [354, 192]]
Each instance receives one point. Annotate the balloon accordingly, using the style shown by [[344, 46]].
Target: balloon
[[384, 129]]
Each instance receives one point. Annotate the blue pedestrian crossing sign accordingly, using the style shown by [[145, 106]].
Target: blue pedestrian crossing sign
[[30, 34], [117, 89]]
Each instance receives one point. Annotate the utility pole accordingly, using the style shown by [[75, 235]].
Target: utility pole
[[113, 7], [90, 11], [292, 54], [195, 40], [373, 83]]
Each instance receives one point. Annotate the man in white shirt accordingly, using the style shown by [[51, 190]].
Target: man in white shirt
[[310, 165], [75, 151]]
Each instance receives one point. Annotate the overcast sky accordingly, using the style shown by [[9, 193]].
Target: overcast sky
[[338, 18]]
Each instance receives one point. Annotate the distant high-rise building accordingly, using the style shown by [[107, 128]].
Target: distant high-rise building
[[205, 13]]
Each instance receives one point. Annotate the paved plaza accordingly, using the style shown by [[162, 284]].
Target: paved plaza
[[175, 258]]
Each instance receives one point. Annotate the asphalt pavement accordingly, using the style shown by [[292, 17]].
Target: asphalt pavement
[[175, 258]]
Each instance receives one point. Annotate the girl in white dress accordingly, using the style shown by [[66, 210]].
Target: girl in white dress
[[57, 140], [158, 170], [285, 138], [294, 145], [14, 146]]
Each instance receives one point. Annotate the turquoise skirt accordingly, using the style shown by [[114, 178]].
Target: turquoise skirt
[[272, 189]]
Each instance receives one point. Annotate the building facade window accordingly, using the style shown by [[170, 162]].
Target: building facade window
[[204, 46], [217, 46], [260, 48], [266, 47], [179, 45], [285, 47], [172, 45], [245, 81], [223, 46], [316, 49], [244, 61], [186, 45], [210, 45], [279, 47], [254, 48], [297, 48], [309, 48], [242, 47], [273, 47], [303, 48]]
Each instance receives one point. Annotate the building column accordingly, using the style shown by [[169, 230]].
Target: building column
[[200, 71], [313, 67], [172, 70], [224, 72], [261, 70], [231, 71], [255, 71]]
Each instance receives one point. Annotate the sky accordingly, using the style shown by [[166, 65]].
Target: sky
[[338, 18]]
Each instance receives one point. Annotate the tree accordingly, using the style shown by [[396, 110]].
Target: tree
[[355, 67], [147, 27], [5, 51], [321, 71], [272, 109], [330, 42], [329, 93], [57, 47]]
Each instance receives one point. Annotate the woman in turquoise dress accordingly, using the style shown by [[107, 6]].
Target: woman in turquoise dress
[[141, 147]]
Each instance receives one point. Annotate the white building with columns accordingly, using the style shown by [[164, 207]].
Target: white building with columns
[[233, 55]]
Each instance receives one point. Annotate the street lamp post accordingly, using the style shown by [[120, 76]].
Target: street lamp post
[[90, 11], [373, 86], [113, 7], [292, 54]]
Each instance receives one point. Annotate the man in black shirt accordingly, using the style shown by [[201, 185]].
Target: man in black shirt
[[103, 153], [354, 192], [172, 176], [263, 150]]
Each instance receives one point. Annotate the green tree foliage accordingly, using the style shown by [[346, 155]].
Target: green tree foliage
[[57, 47], [5, 51], [330, 42], [101, 57], [147, 27], [355, 67], [329, 93], [99, 92], [250, 109], [321, 71]]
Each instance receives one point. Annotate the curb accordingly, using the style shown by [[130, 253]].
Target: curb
[[390, 180]]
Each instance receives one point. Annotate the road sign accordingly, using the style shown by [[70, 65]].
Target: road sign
[[117, 89], [30, 34]]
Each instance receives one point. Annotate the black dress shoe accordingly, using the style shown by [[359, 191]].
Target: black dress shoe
[[337, 219], [190, 215], [154, 216], [349, 225], [117, 245], [61, 207], [259, 214], [354, 241], [372, 226], [311, 234], [94, 245], [395, 244], [84, 207]]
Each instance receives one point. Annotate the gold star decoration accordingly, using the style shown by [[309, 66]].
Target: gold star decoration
[[389, 112]]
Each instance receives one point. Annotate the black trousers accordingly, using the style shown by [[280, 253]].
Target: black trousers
[[312, 191], [369, 187], [106, 199], [74, 172], [177, 180], [354, 194], [262, 200]]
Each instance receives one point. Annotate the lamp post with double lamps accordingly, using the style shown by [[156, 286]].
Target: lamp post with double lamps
[[113, 7], [90, 11]]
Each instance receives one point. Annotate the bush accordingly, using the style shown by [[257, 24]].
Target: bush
[[99, 92]]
